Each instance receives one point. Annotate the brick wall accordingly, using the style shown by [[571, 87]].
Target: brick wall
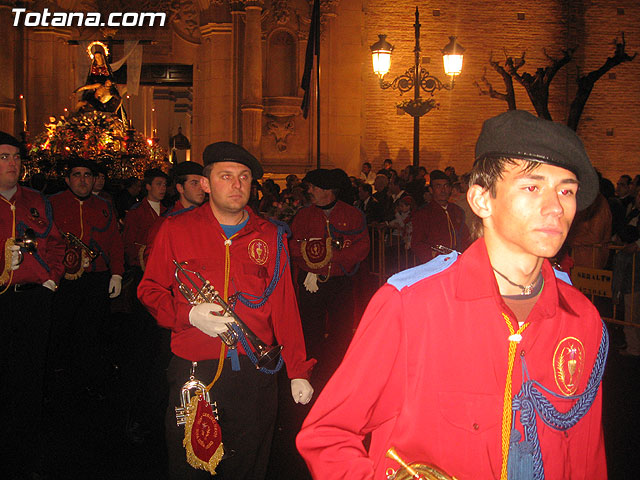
[[447, 135]]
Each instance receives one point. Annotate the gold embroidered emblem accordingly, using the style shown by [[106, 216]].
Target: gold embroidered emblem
[[568, 365], [258, 251]]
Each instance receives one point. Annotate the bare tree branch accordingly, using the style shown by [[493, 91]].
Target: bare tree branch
[[587, 82]]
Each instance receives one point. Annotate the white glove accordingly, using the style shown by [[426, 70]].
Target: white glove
[[115, 286], [301, 390], [311, 282], [15, 256], [51, 285], [208, 318]]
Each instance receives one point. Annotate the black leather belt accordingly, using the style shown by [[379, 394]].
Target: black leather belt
[[23, 287]]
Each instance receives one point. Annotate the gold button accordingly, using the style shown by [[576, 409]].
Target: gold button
[[476, 426]]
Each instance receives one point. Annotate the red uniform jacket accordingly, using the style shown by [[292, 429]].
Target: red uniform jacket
[[346, 223], [431, 227], [93, 221], [137, 224], [196, 237], [176, 209], [32, 210], [426, 374]]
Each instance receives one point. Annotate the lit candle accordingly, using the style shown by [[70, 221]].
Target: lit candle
[[153, 122], [23, 108], [129, 122]]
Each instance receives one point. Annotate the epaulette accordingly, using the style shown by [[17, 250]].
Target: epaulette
[[56, 194], [173, 213], [284, 226], [415, 274], [136, 205], [564, 276]]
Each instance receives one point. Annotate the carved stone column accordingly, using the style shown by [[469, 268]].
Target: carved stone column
[[252, 80], [8, 92], [237, 31], [50, 75]]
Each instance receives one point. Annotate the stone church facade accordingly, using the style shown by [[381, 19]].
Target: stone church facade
[[246, 60]]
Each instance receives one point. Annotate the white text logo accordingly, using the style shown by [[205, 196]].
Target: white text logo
[[86, 19]]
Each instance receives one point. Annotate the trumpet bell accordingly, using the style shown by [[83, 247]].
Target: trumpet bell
[[415, 471], [269, 357], [27, 243], [424, 472]]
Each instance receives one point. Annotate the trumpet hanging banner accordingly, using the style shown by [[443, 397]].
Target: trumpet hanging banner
[[202, 436]]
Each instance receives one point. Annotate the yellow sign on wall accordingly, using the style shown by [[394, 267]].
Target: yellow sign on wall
[[592, 281]]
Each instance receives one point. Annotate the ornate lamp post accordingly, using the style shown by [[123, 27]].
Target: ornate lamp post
[[416, 78]]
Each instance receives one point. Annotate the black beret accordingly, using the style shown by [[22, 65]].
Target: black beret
[[75, 161], [439, 175], [187, 168], [341, 179], [322, 178], [102, 168], [230, 152], [6, 139], [521, 135]]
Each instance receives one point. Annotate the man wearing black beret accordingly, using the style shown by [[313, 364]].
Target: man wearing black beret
[[329, 241], [439, 222], [491, 351], [245, 259]]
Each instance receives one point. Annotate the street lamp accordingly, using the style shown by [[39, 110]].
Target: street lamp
[[416, 78]]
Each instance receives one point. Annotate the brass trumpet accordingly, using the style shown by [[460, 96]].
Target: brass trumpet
[[27, 243], [205, 293], [415, 471], [192, 386], [75, 241]]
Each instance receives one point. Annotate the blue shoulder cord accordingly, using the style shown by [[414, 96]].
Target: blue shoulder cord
[[525, 458], [259, 301]]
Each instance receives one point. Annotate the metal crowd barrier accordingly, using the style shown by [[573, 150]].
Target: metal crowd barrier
[[388, 256]]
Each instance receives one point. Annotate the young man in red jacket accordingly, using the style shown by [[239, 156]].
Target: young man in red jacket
[[246, 260], [141, 217], [486, 364], [28, 278]]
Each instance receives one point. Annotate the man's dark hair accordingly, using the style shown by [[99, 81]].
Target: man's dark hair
[[488, 170], [627, 178], [130, 182], [152, 173], [366, 187], [388, 160], [366, 164]]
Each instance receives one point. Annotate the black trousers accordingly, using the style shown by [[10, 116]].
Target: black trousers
[[80, 310], [25, 319], [327, 321], [247, 406]]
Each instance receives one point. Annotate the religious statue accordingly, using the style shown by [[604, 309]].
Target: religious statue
[[100, 91]]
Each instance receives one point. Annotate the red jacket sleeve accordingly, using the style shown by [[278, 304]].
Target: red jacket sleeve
[[286, 324], [364, 394], [154, 291], [358, 246]]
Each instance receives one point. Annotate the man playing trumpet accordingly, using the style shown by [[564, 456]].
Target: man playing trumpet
[[245, 258], [27, 283], [487, 364]]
